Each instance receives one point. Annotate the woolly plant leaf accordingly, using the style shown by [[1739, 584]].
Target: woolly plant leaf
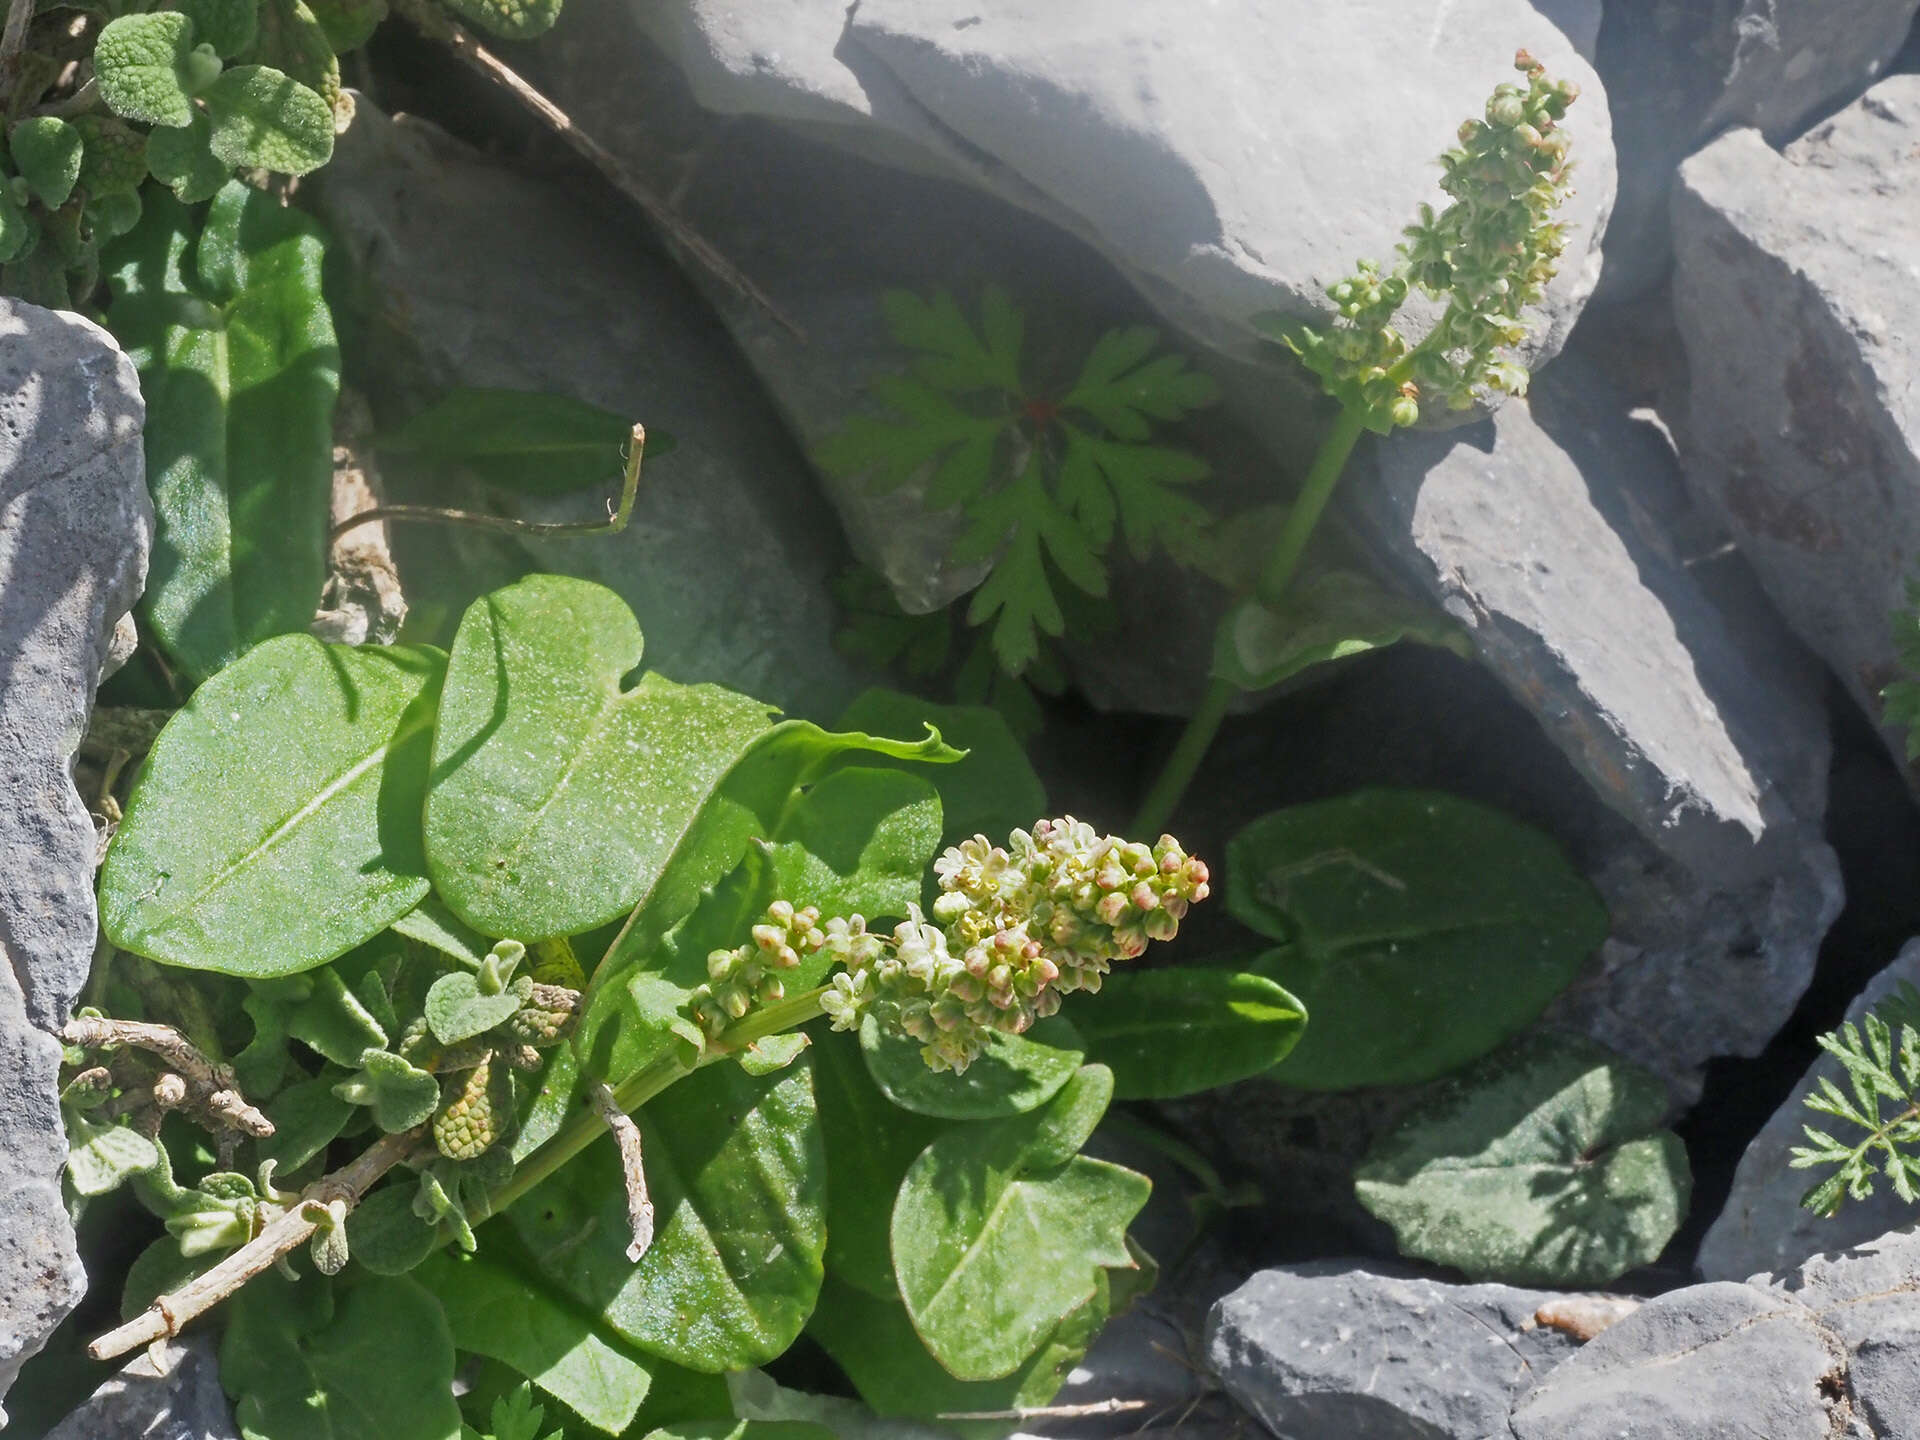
[[227, 25], [400, 1094], [1420, 930], [183, 160], [48, 151], [524, 440], [457, 1009], [738, 1179], [1328, 616], [500, 1308], [1001, 1230], [1542, 1165], [145, 65], [237, 359], [386, 1235], [348, 24], [1168, 1033], [113, 157], [264, 119], [293, 774], [509, 19], [103, 1157], [1015, 1074], [374, 1362]]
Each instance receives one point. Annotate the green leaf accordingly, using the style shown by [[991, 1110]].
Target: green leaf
[[871, 1338], [496, 1310], [264, 119], [951, 355], [103, 1157], [1168, 1033], [306, 1117], [742, 1430], [239, 366], [389, 1237], [524, 440], [330, 1018], [227, 25], [183, 160], [992, 792], [274, 824], [1421, 930], [870, 1142], [1018, 596], [376, 1365], [1126, 392], [559, 791], [1001, 1229], [857, 842], [1017, 1073], [17, 230], [509, 19], [48, 151], [144, 65], [114, 155], [1543, 1165], [458, 1010], [435, 926], [400, 1094], [738, 1178], [1326, 617], [348, 24]]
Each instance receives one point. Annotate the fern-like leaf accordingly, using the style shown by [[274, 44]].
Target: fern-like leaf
[[1882, 1068]]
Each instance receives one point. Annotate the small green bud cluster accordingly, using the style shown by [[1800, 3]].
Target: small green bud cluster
[[1489, 254], [1017, 928], [749, 975]]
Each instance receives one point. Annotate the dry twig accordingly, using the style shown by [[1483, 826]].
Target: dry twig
[[626, 1134], [209, 1088]]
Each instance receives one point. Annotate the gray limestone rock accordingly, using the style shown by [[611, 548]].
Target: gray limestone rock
[[1763, 1226], [1711, 1362], [474, 274], [1330, 1348], [1555, 532], [75, 523], [171, 1391], [1795, 297]]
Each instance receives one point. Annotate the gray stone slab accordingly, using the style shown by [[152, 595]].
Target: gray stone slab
[[475, 274], [1332, 1348], [75, 523], [1795, 295], [170, 1391]]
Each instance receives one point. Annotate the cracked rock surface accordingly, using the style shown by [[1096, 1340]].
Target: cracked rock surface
[[75, 523]]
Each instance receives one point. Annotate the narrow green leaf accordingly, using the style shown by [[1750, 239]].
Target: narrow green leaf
[[377, 1364], [496, 1310], [264, 119], [1422, 930], [1167, 1033], [296, 773], [738, 1179], [1001, 1230], [240, 369], [1543, 1165]]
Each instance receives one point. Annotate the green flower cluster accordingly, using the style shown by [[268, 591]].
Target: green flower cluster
[[1014, 929], [1489, 254]]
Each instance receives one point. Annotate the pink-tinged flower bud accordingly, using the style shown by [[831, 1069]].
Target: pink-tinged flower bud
[[1111, 908], [781, 912], [1143, 897], [1162, 925], [771, 990], [735, 1003], [720, 965], [1045, 970], [769, 937]]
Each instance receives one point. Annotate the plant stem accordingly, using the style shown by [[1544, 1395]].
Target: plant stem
[[646, 1083], [616, 521], [1275, 576]]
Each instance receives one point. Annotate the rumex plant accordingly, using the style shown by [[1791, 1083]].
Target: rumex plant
[[487, 978]]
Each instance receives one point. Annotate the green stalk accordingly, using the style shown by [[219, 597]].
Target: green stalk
[[647, 1084], [1275, 576]]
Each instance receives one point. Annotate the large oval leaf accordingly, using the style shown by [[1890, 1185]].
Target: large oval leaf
[[494, 1309], [738, 1178], [276, 824], [1001, 1229], [1327, 616], [1542, 1165], [1422, 930], [559, 790], [1015, 1074], [238, 362], [376, 1365], [1166, 1033]]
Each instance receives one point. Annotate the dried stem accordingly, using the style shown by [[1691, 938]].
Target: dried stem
[[13, 39], [616, 521], [434, 24], [208, 1087], [283, 1234], [1049, 1412], [632, 1164]]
